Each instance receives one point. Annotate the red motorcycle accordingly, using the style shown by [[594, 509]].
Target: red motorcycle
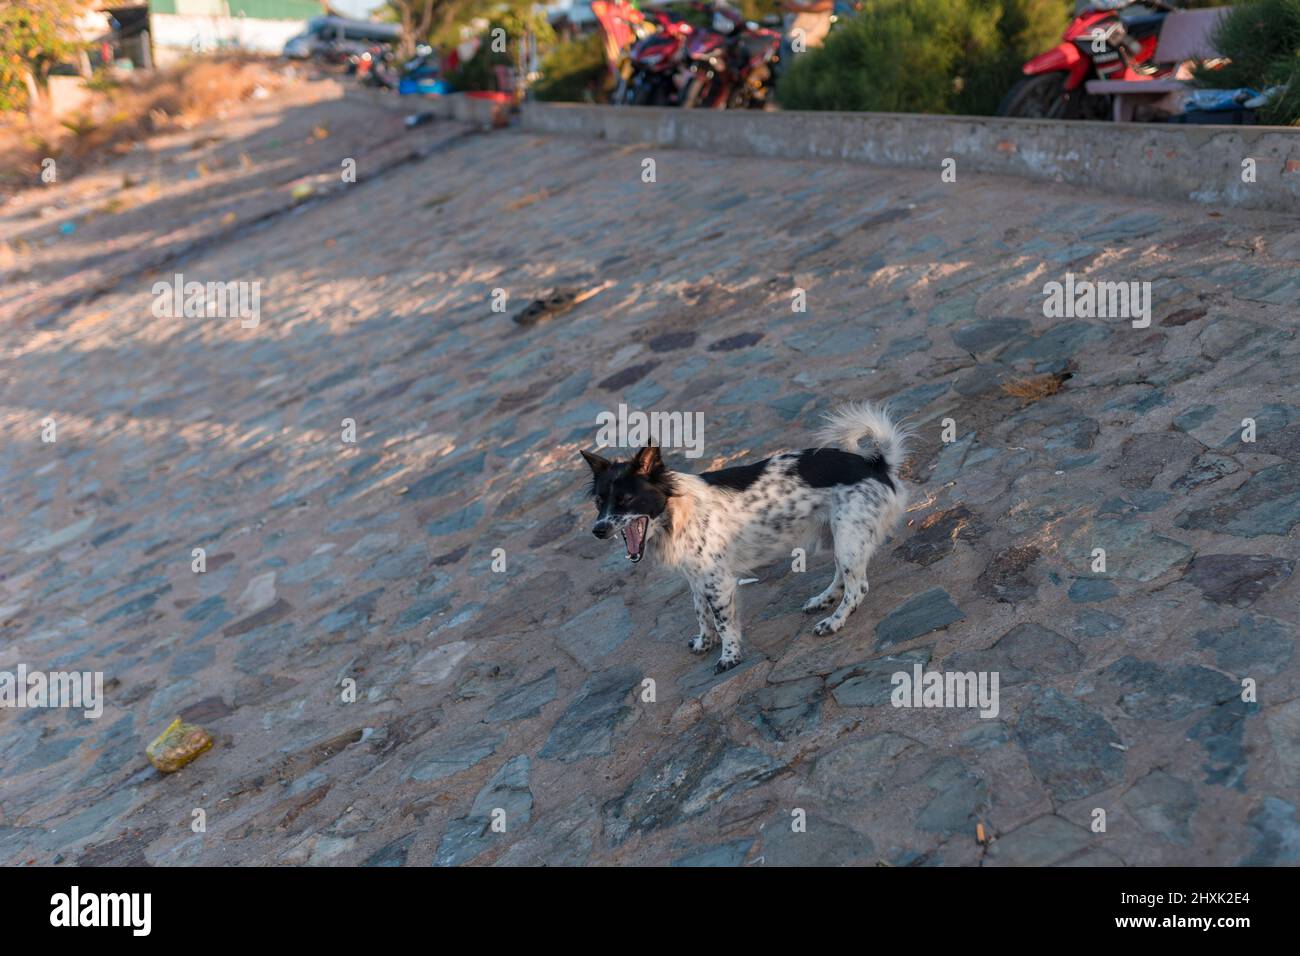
[[732, 65], [1107, 41], [655, 64]]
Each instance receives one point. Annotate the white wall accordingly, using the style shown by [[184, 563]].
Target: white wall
[[200, 34]]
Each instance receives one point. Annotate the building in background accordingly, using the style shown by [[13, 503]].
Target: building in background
[[179, 27]]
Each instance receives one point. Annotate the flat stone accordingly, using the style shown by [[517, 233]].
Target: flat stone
[[394, 853], [960, 802], [57, 539], [1254, 645], [937, 535], [1144, 457], [1046, 841], [699, 771], [1133, 550], [1168, 693], [989, 334], [1163, 805], [1027, 652], [1283, 442], [1268, 502], [783, 711], [736, 769], [928, 611], [1204, 469], [450, 758], [987, 734], [723, 854], [1068, 746], [1008, 576], [1059, 342], [870, 683], [435, 666], [820, 843], [259, 594], [1094, 623], [703, 678], [507, 791], [1221, 732], [859, 768], [329, 849], [589, 723], [526, 700], [1277, 834], [1090, 590], [1237, 579], [1284, 729], [445, 480], [596, 632]]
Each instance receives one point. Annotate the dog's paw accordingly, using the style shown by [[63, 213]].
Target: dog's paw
[[817, 603], [700, 644], [725, 664], [827, 625]]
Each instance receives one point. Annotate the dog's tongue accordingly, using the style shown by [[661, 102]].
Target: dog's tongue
[[635, 537]]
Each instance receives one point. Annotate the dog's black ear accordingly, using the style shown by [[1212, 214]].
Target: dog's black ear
[[598, 464], [647, 461]]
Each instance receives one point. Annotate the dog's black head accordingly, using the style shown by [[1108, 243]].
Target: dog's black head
[[631, 496]]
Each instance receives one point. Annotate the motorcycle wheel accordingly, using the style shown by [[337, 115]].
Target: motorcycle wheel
[[642, 94], [1044, 97], [699, 92], [1036, 97]]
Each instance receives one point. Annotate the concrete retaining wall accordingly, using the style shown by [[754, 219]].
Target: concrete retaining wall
[[458, 106], [1197, 163]]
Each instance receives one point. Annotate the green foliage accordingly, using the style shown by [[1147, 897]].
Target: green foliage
[[575, 70], [1261, 38], [924, 56], [479, 73], [35, 35]]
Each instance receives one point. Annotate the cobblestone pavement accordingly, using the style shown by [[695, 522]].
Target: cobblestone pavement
[[523, 691]]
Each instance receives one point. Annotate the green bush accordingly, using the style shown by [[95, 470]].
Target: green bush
[[1261, 38], [479, 71], [924, 56], [575, 70]]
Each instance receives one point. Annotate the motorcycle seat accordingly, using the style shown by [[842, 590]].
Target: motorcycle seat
[[1144, 25]]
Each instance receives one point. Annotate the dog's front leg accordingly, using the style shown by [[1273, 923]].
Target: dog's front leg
[[708, 633], [720, 595]]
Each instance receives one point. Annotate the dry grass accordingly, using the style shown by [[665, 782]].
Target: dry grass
[[1030, 390], [123, 114]]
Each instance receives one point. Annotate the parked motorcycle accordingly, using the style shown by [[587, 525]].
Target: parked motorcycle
[[654, 69], [1110, 40], [374, 66], [377, 66], [733, 64]]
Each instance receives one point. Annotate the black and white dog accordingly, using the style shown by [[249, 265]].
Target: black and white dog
[[718, 525]]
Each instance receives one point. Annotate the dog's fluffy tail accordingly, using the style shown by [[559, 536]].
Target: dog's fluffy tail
[[846, 426]]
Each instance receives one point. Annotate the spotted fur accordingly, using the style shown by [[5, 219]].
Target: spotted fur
[[717, 526]]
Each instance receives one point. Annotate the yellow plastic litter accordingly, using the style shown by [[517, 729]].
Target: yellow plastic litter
[[177, 745]]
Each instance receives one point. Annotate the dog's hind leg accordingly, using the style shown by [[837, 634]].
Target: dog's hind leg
[[828, 597], [708, 635], [851, 523]]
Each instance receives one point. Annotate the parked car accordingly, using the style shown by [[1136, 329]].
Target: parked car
[[336, 39]]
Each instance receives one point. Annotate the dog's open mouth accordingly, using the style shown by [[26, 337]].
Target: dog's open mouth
[[634, 537]]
